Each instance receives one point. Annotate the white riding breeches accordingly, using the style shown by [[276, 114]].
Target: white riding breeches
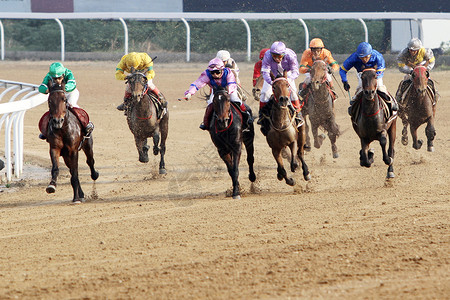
[[72, 97], [266, 91], [233, 98], [308, 78], [380, 85], [150, 84]]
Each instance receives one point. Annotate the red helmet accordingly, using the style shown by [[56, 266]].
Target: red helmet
[[215, 64], [262, 52]]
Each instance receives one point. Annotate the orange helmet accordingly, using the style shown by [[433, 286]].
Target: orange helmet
[[316, 43]]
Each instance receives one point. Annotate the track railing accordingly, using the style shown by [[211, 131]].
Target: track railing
[[24, 96]]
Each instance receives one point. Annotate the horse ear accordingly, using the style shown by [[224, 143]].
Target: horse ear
[[133, 70], [272, 76]]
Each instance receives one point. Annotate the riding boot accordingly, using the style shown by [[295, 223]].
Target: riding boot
[[247, 118], [42, 137], [126, 101], [207, 117], [303, 91], [162, 100], [297, 111], [88, 129]]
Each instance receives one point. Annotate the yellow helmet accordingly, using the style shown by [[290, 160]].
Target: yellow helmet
[[316, 43], [133, 60]]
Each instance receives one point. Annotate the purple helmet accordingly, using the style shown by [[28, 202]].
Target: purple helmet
[[278, 48], [215, 64]]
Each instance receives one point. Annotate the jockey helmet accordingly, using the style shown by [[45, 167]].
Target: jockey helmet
[[224, 55], [57, 70], [414, 44], [262, 52], [316, 43], [364, 49], [215, 64], [133, 60], [278, 48]]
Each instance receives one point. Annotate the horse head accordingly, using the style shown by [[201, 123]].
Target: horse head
[[280, 89], [57, 103], [419, 78], [137, 82], [221, 104], [318, 74], [369, 83]]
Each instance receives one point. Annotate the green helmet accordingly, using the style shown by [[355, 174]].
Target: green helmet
[[57, 69]]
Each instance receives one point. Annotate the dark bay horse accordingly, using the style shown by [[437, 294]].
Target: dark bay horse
[[226, 130], [143, 121], [65, 137], [372, 123], [418, 108], [283, 131], [319, 105]]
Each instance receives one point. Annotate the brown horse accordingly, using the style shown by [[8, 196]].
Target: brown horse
[[226, 130], [373, 123], [418, 108], [143, 121], [283, 132], [319, 105], [65, 137]]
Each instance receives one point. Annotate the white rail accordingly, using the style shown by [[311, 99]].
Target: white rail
[[12, 114]]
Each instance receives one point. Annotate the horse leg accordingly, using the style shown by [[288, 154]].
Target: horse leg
[[307, 146], [294, 164], [417, 143], [71, 161], [388, 160], [164, 130], [333, 132], [248, 138], [318, 139], [54, 156], [391, 151], [365, 160], [281, 172], [430, 131], [142, 147], [156, 139], [232, 162], [88, 150], [301, 153], [405, 131]]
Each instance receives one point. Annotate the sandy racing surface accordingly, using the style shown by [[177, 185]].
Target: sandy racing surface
[[346, 234]]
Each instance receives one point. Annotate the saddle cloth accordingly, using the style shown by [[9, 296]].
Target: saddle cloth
[[389, 114], [80, 113], [160, 110]]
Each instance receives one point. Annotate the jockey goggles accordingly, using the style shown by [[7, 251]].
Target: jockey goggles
[[217, 72], [274, 55]]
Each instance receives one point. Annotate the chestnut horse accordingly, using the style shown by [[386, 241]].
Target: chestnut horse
[[418, 108], [65, 137], [143, 121], [283, 131], [319, 105], [373, 123], [226, 130]]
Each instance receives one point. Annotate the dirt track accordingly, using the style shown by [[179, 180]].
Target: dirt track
[[347, 234]]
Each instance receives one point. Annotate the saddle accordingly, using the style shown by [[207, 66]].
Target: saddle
[[430, 90], [160, 109], [80, 113], [385, 100]]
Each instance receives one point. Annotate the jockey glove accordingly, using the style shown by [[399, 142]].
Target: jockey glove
[[346, 85]]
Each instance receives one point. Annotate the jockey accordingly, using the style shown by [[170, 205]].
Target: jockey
[[365, 58], [316, 51], [216, 75], [410, 57], [228, 62], [141, 62], [257, 74], [276, 61], [58, 73]]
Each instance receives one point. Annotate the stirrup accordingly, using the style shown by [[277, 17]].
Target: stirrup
[[89, 128], [122, 106], [42, 137], [203, 127]]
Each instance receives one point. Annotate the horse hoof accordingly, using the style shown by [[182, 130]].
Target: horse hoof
[[94, 176], [280, 177], [162, 171], [290, 181], [143, 159], [390, 175], [404, 140], [307, 177], [252, 177], [307, 148], [237, 197], [418, 145], [155, 150], [335, 155], [430, 149], [77, 201], [50, 189]]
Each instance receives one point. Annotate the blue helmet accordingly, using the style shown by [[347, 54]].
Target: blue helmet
[[364, 49]]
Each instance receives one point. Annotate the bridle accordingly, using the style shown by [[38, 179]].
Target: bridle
[[131, 80], [273, 91]]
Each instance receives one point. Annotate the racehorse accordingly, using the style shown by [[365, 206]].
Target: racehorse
[[143, 120], [283, 131], [319, 105], [65, 136], [372, 122], [226, 131], [419, 108]]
